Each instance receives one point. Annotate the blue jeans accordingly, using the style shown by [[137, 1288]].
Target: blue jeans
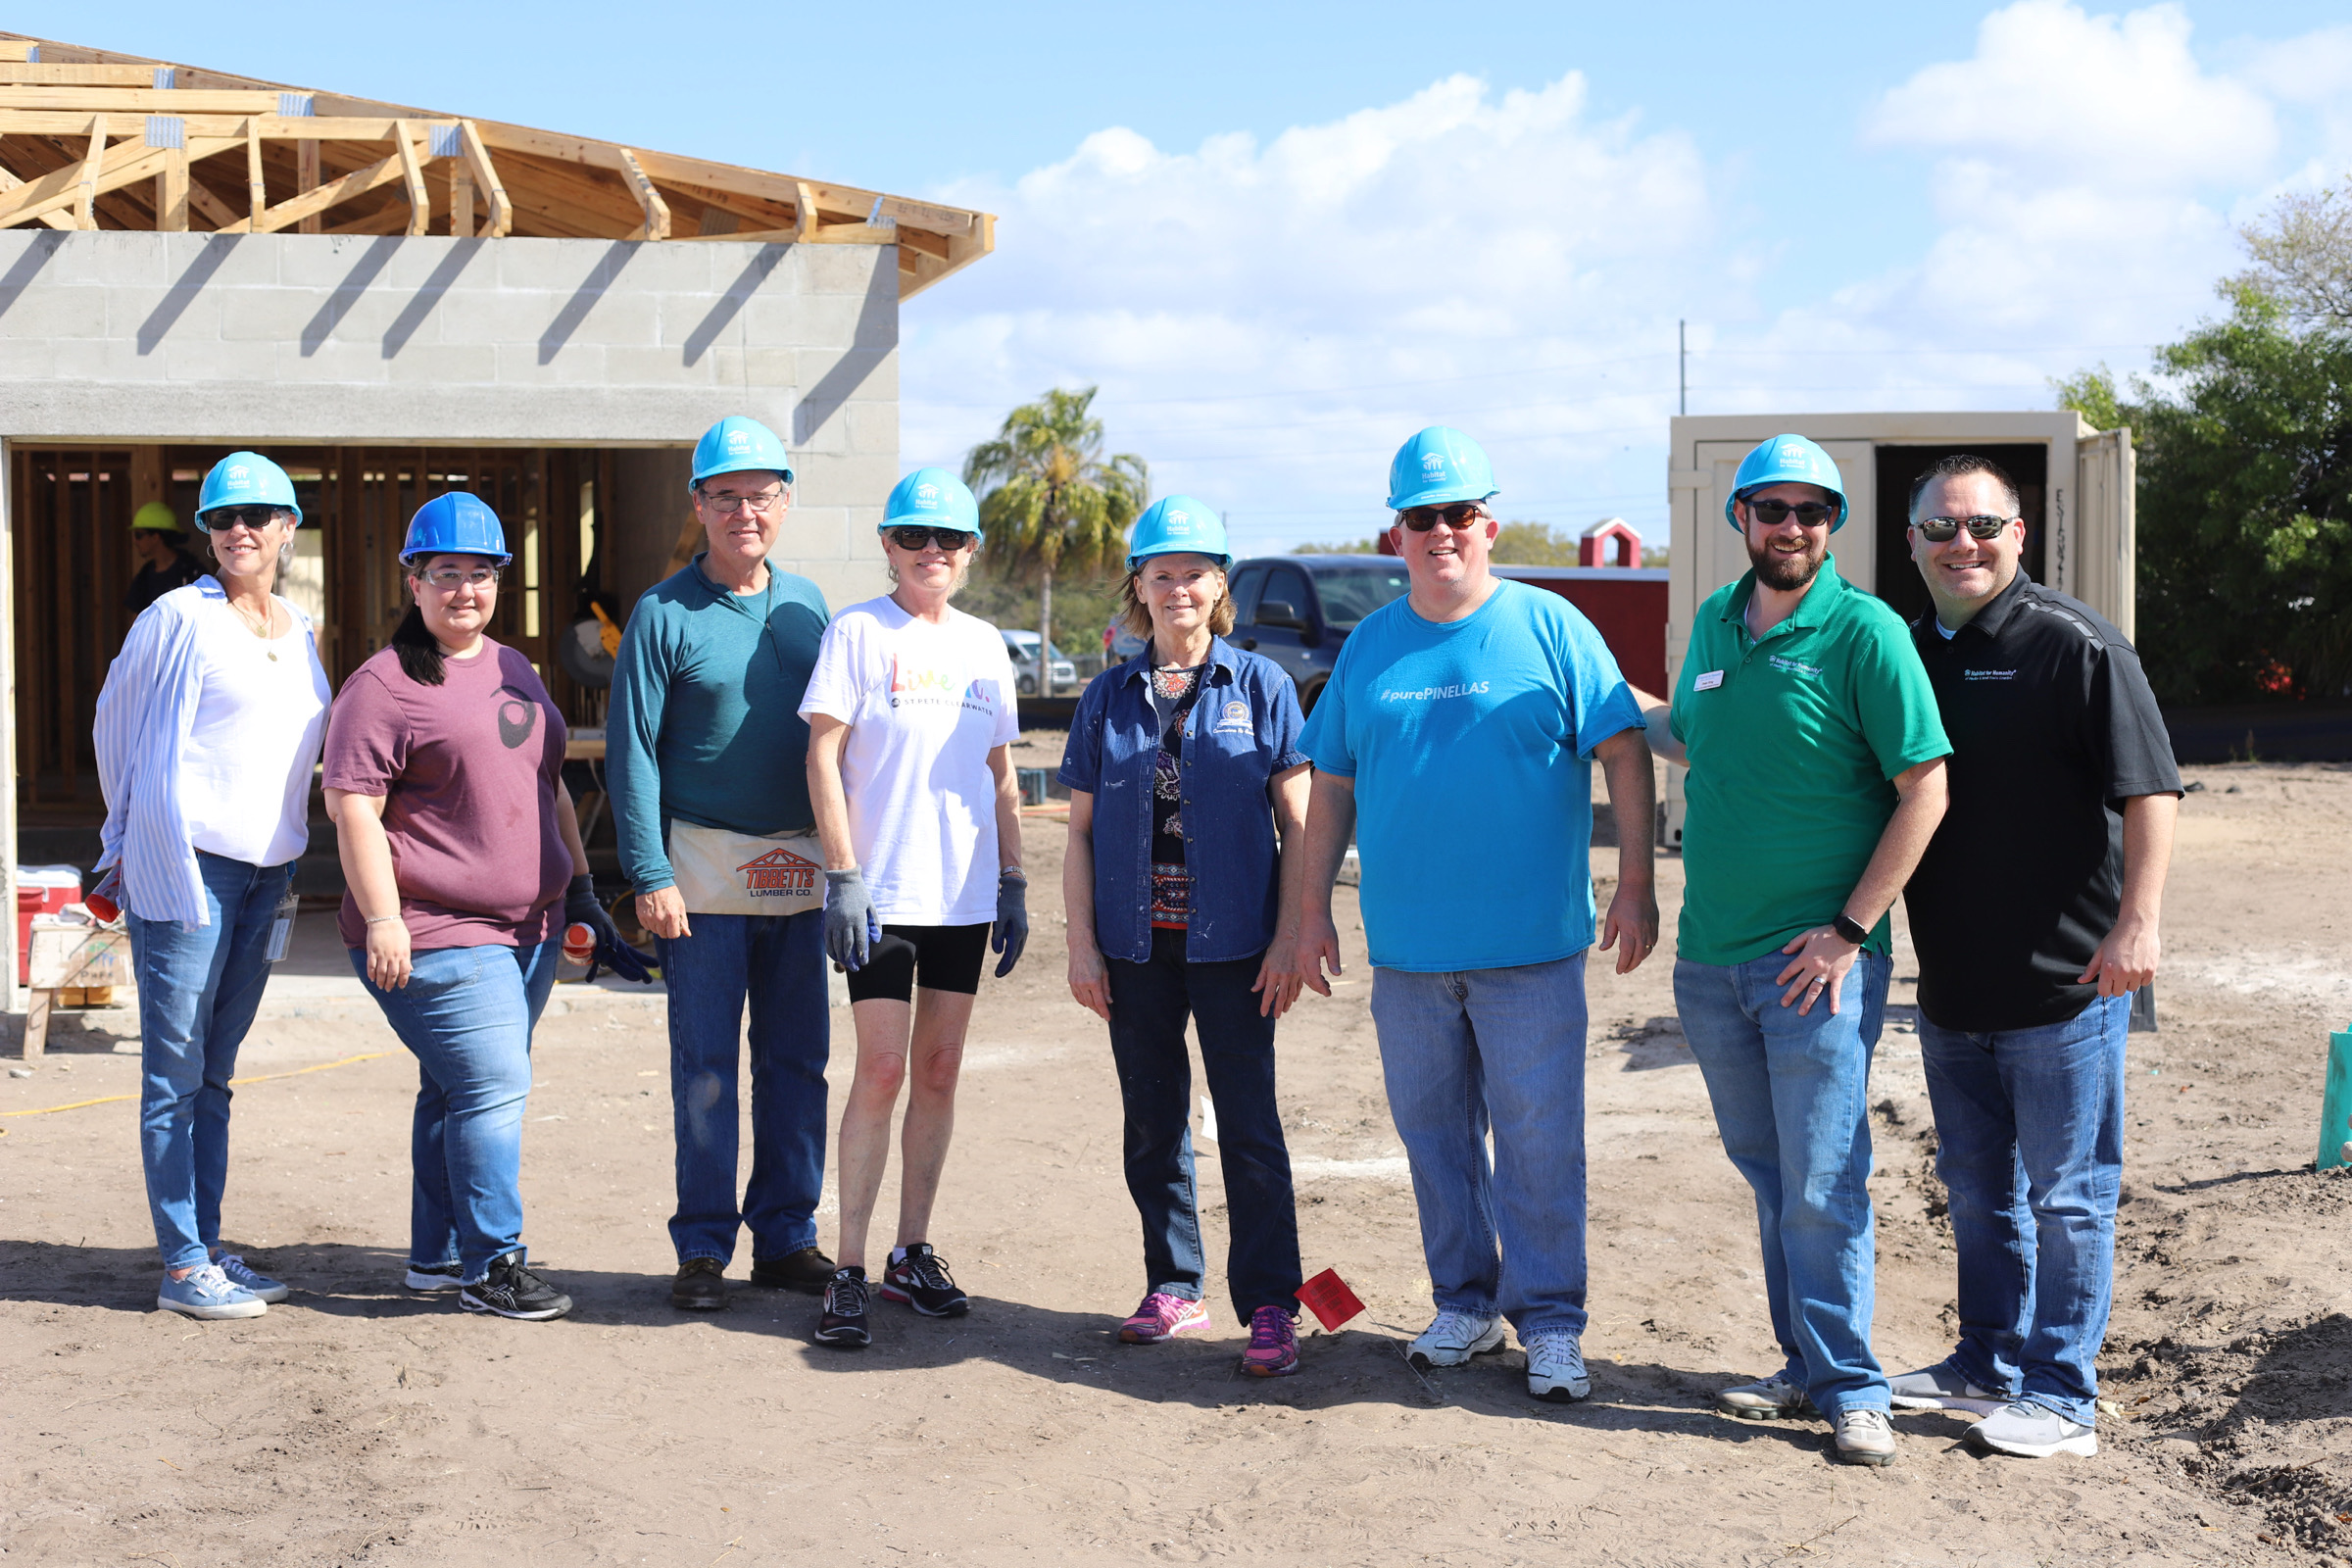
[[2029, 1128], [466, 1014], [1501, 1049], [1791, 1102], [778, 963], [198, 992], [1148, 1003]]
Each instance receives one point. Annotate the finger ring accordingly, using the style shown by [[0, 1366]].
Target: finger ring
[[1817, 985]]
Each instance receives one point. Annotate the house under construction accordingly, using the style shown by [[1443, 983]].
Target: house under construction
[[393, 302]]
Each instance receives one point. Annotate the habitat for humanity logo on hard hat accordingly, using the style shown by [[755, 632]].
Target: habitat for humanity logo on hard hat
[[739, 440], [240, 475]]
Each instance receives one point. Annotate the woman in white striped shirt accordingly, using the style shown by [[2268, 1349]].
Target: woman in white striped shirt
[[208, 730]]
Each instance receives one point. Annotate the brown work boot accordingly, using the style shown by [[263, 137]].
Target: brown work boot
[[808, 1271], [701, 1285]]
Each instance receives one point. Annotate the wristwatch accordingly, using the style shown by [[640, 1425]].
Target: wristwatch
[[1850, 929]]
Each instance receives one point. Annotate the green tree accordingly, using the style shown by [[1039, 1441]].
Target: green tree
[[1533, 544], [2302, 252], [1050, 502], [2244, 503]]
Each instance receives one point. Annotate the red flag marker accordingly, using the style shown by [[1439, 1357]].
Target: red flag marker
[[1328, 1297]]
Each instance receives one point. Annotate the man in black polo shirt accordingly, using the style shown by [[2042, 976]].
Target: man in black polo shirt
[[2035, 914]]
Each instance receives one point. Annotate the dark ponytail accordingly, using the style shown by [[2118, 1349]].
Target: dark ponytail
[[418, 648]]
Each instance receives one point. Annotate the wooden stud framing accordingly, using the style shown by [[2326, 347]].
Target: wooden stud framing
[[412, 170], [10, 181], [461, 200], [256, 190], [656, 211], [85, 207], [172, 192], [485, 179], [309, 204]]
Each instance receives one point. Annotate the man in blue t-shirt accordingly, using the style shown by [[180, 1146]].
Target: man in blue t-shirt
[[1456, 739]]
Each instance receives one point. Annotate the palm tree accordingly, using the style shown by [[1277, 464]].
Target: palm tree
[[1051, 502]]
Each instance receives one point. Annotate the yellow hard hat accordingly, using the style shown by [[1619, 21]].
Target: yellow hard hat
[[157, 517]]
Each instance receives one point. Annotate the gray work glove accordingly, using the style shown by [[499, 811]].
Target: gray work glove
[[1012, 933], [851, 929]]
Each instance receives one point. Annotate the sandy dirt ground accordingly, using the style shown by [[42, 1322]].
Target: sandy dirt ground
[[358, 1424]]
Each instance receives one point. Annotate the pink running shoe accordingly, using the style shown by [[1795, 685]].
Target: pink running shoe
[[1273, 1344], [1162, 1317]]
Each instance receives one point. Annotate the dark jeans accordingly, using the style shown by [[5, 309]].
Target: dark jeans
[[777, 962], [1148, 1004]]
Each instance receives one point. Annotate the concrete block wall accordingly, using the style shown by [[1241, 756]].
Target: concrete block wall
[[138, 337]]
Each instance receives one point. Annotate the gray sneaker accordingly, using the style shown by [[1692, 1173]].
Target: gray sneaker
[[2031, 1432], [1865, 1437], [1940, 1387], [1773, 1399], [1453, 1338]]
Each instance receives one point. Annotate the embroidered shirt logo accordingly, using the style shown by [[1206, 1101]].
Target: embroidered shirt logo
[[1236, 718], [779, 874], [1793, 666]]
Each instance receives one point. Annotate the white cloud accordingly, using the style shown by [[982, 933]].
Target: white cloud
[[1416, 252]]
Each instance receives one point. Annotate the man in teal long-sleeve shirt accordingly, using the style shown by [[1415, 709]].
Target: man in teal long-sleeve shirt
[[705, 730]]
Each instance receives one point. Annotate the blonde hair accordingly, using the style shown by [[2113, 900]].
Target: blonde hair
[[1136, 615]]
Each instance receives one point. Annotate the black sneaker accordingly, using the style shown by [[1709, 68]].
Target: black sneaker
[[512, 1291], [808, 1271], [843, 1320], [434, 1276], [921, 1281], [701, 1285]]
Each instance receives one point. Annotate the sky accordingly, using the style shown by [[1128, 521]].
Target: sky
[[1281, 238]]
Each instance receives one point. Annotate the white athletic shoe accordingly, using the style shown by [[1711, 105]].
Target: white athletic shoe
[[1453, 1338], [2030, 1432], [1555, 1367], [1865, 1437], [1772, 1398]]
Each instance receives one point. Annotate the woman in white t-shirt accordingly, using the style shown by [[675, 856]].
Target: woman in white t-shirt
[[206, 731], [910, 717]]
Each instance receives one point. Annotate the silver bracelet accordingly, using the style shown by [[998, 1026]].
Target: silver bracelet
[[380, 919]]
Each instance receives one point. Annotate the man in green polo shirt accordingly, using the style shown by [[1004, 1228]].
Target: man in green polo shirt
[[1816, 763]]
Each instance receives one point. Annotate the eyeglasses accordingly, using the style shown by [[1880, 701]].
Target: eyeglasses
[[948, 539], [1460, 514], [765, 502], [221, 520], [447, 578], [1938, 530], [1810, 514]]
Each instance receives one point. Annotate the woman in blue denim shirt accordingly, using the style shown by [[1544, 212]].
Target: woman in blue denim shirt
[[1181, 765]]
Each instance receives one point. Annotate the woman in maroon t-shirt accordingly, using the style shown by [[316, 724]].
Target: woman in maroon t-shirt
[[462, 859]]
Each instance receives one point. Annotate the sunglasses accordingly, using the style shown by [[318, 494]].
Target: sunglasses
[[1940, 530], [221, 520], [1460, 514], [1811, 514], [949, 539]]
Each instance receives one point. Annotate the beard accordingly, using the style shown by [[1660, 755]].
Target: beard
[[1787, 573]]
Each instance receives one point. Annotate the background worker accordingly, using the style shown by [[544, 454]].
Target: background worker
[[462, 863], [206, 731], [162, 552], [1183, 766], [1455, 738], [706, 764], [2027, 965], [910, 727], [1816, 780]]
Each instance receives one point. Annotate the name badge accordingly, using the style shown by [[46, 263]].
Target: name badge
[[1708, 682]]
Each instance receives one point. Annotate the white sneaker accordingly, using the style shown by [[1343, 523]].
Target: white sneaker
[[1555, 1367], [1865, 1437], [1772, 1398], [2030, 1432], [1453, 1339]]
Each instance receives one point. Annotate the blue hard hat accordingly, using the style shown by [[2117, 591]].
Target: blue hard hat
[[933, 496], [736, 443], [1437, 465], [458, 522], [1178, 525], [1788, 460], [247, 479]]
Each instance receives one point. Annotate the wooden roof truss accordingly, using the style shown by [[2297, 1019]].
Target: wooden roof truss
[[91, 139]]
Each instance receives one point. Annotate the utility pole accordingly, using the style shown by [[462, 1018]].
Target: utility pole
[[1682, 365]]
